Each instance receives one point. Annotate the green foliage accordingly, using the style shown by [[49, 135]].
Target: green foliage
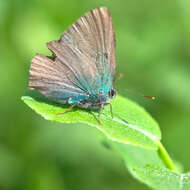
[[162, 178], [131, 123], [147, 161], [148, 167]]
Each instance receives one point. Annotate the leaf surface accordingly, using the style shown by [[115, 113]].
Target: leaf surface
[[131, 123]]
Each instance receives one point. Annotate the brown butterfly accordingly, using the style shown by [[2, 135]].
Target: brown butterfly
[[81, 70]]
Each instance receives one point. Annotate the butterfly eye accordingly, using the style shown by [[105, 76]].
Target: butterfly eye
[[112, 93]]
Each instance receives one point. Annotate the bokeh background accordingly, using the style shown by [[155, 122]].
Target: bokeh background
[[153, 52]]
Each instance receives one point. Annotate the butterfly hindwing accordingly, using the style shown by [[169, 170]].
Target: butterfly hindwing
[[53, 79]]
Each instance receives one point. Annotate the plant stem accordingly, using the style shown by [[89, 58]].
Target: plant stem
[[164, 156]]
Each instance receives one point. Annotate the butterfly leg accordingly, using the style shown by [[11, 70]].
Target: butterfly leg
[[69, 109], [111, 110], [99, 114], [107, 103]]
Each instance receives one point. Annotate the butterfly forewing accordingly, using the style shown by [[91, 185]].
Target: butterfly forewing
[[83, 60]]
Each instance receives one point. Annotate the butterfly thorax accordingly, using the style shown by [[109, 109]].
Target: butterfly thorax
[[95, 101]]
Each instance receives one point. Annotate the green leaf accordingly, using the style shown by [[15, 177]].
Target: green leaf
[[131, 123], [163, 178], [147, 166], [137, 156]]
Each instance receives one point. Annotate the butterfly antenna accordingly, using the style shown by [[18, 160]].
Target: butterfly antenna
[[132, 91], [135, 92]]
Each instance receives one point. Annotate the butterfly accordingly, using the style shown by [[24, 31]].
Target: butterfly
[[81, 70]]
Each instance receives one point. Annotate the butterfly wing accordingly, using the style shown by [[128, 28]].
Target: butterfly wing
[[84, 60], [88, 48], [54, 80]]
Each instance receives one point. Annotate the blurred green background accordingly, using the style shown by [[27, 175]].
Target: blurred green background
[[153, 52]]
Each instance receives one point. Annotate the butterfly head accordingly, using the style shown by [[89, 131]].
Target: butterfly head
[[110, 95], [101, 97]]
